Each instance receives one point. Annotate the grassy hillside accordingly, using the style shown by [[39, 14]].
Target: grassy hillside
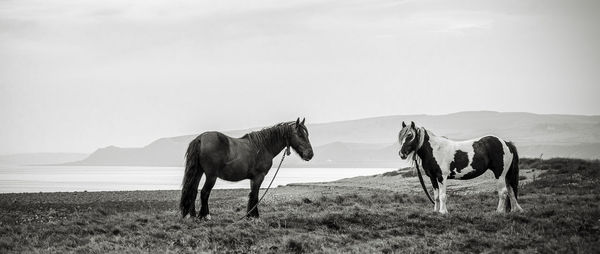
[[372, 142], [562, 214]]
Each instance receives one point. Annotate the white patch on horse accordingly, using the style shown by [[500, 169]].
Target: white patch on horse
[[443, 152], [467, 147]]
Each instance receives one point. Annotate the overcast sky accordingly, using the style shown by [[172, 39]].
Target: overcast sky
[[76, 75]]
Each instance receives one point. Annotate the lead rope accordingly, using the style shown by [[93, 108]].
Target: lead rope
[[422, 182], [287, 152], [421, 138]]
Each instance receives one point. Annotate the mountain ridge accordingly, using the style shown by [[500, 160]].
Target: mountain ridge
[[40, 158], [360, 140]]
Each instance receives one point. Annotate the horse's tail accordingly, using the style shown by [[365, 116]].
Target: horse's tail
[[191, 178], [512, 176]]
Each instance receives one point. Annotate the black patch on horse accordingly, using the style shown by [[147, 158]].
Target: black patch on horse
[[489, 154], [461, 161], [430, 165]]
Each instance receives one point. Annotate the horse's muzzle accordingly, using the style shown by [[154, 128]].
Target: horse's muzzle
[[402, 155], [308, 155]]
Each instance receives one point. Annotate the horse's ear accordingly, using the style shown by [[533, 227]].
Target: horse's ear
[[298, 121], [403, 124], [303, 119], [412, 124]]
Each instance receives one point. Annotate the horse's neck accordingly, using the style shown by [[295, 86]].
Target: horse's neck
[[274, 143], [431, 142], [275, 147], [437, 141]]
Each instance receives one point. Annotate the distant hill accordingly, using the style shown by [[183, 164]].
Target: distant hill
[[40, 158], [371, 142]]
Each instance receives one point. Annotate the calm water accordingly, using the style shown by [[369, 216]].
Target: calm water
[[102, 178]]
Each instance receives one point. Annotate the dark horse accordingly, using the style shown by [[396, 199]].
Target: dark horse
[[234, 159]]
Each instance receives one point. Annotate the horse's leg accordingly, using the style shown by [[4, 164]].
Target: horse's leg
[[443, 184], [204, 194], [436, 200], [502, 192], [436, 194], [253, 197], [514, 205]]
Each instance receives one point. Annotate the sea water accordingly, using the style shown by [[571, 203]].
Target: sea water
[[118, 178]]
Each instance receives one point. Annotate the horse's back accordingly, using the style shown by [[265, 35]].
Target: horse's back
[[213, 146], [212, 139], [223, 156]]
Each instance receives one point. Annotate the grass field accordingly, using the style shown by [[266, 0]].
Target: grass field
[[562, 214]]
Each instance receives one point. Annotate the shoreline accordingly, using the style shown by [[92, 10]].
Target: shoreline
[[48, 180], [398, 182]]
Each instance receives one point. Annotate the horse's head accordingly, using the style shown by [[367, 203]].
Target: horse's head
[[409, 140], [299, 140]]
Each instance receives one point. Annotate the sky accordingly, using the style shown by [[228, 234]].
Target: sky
[[77, 75]]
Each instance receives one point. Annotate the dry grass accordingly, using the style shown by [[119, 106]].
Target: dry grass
[[562, 215]]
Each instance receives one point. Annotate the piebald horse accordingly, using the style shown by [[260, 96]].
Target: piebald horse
[[444, 159], [217, 155]]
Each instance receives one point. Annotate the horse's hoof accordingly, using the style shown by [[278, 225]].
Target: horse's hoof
[[206, 217], [253, 219]]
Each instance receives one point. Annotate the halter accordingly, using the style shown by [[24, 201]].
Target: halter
[[287, 144], [287, 147]]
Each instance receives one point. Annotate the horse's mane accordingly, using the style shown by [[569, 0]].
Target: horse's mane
[[421, 132], [270, 136]]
